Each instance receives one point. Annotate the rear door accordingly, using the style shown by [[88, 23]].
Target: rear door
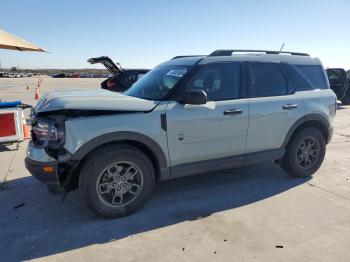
[[273, 106], [338, 81]]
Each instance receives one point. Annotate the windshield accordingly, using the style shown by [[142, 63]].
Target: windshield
[[157, 83]]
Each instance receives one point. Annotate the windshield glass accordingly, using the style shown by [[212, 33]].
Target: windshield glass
[[157, 83]]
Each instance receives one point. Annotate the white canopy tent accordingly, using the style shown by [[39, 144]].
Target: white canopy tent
[[11, 42]]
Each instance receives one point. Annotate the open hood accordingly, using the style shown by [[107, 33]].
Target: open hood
[[98, 99], [115, 69]]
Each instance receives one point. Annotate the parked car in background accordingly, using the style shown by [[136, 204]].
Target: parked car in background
[[188, 115], [86, 75], [122, 79], [339, 80], [74, 75], [61, 75]]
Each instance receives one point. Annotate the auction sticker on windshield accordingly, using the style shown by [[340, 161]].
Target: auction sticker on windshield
[[177, 72]]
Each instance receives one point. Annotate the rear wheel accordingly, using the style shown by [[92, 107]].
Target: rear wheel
[[116, 180], [305, 153]]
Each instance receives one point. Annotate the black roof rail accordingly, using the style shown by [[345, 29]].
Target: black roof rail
[[229, 52], [183, 56]]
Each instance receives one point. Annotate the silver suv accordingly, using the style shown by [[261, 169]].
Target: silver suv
[[189, 115]]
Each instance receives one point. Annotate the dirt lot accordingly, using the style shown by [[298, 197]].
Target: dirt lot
[[253, 214]]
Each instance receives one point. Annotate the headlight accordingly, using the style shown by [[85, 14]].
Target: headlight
[[48, 134]]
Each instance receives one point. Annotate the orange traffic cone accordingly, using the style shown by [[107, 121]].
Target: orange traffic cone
[[37, 96], [27, 87], [40, 80], [26, 131]]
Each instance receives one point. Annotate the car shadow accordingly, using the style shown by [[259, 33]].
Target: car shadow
[[7, 147], [35, 224]]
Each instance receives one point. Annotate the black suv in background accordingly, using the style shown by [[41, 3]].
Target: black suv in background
[[339, 81], [122, 79]]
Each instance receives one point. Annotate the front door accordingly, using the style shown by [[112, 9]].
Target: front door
[[213, 131]]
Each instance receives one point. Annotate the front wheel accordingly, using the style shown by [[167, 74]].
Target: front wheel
[[305, 153], [116, 180]]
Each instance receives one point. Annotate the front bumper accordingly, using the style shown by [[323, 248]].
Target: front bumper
[[44, 168], [37, 170], [51, 179], [330, 134]]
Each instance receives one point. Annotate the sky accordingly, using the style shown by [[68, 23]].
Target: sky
[[142, 34]]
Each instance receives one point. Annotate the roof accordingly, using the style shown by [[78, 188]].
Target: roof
[[247, 55], [292, 59]]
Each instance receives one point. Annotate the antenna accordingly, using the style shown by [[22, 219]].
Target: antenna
[[282, 47]]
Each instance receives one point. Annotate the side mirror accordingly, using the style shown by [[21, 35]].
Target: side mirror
[[194, 97]]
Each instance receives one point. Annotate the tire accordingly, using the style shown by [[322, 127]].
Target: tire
[[101, 186], [346, 100], [294, 162]]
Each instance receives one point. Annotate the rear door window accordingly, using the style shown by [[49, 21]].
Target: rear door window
[[267, 79], [314, 74]]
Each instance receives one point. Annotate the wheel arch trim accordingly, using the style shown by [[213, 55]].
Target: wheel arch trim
[[121, 136], [305, 119]]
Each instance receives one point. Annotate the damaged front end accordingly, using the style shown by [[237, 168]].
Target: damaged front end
[[47, 159], [49, 154]]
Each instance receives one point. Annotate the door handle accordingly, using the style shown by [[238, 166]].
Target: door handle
[[232, 112], [290, 106]]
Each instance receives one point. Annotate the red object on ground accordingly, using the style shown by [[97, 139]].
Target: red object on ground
[[7, 124]]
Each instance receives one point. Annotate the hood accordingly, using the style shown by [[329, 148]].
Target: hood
[[98, 99]]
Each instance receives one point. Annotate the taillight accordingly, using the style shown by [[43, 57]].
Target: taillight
[[110, 84]]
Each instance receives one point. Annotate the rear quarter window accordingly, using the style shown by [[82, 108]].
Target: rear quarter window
[[314, 75], [300, 83]]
